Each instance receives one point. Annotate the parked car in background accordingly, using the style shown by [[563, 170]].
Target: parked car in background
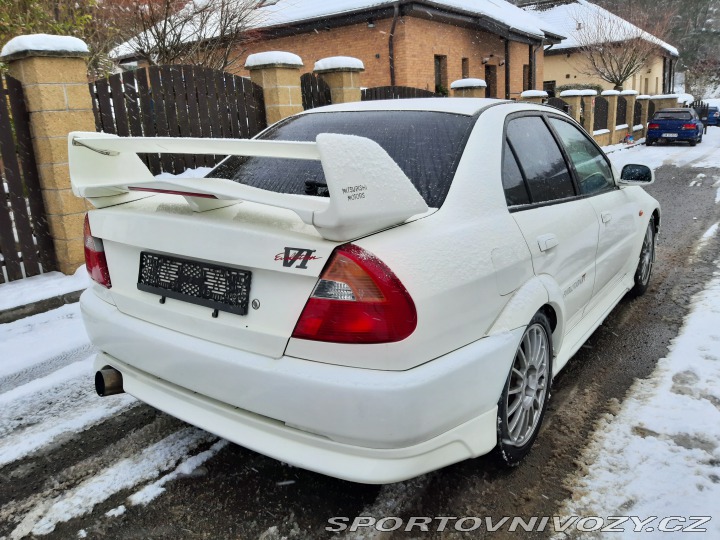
[[369, 290], [713, 118], [673, 125]]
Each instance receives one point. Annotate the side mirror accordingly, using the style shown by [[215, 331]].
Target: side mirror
[[636, 175]]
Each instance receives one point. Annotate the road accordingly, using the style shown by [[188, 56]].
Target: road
[[76, 466]]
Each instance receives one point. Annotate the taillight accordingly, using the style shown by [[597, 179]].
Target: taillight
[[95, 260], [358, 299], [654, 126], [689, 126]]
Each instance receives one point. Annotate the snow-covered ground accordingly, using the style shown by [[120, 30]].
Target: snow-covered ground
[[659, 456]]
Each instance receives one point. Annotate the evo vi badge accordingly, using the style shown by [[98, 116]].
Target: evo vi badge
[[297, 257]]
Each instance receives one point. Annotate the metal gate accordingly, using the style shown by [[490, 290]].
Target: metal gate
[[602, 108], [26, 248]]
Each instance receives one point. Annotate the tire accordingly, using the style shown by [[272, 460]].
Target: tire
[[526, 392], [645, 264], [692, 142], [649, 142]]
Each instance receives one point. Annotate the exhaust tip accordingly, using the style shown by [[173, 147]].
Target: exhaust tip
[[108, 382]]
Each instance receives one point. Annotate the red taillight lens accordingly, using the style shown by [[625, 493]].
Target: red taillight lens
[[95, 257], [358, 299], [654, 126], [689, 126]]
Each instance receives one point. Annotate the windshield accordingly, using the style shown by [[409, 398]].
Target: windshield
[[426, 145]]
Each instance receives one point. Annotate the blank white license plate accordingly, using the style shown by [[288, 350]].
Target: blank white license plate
[[669, 135]]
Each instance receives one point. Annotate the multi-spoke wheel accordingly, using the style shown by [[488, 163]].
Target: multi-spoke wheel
[[524, 398], [647, 258]]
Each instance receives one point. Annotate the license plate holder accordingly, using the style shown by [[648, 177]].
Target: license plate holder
[[217, 287], [669, 135]]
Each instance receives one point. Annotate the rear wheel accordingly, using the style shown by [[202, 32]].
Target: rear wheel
[[693, 142], [649, 142], [645, 264], [526, 392]]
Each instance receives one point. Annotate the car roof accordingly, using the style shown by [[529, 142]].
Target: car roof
[[465, 106], [675, 109]]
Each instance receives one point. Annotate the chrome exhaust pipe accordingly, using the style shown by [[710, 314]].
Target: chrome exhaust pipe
[[108, 382]]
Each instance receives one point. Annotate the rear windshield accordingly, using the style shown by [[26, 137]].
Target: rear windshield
[[426, 145], [673, 116]]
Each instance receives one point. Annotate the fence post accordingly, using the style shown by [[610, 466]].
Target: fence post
[[534, 96], [612, 99], [645, 104], [278, 73], [342, 74], [472, 88], [588, 122], [58, 101], [666, 101]]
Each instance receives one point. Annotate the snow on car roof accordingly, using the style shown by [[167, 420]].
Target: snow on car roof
[[564, 19]]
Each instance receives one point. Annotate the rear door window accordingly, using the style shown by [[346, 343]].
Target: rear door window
[[426, 145]]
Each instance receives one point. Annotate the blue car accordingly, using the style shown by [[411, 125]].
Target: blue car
[[713, 117], [672, 125]]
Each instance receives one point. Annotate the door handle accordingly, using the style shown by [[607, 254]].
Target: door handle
[[547, 241], [606, 216]]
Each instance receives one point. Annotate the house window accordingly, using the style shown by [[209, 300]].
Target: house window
[[491, 81], [465, 68], [549, 87], [647, 85], [441, 81]]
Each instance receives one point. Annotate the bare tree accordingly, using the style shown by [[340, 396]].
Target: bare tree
[[613, 48], [204, 32]]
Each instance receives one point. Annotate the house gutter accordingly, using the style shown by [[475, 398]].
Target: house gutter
[[391, 42]]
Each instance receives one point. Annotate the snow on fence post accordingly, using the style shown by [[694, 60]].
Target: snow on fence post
[[534, 96], [342, 74], [472, 88], [278, 73], [53, 73]]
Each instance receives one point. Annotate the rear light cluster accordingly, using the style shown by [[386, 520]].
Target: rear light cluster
[[689, 126], [358, 299], [654, 126], [95, 260]]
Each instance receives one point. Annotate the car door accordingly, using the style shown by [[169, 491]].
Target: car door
[[559, 226], [615, 210]]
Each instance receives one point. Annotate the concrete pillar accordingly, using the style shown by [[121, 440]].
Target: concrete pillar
[[666, 101], [612, 98], [645, 104], [588, 122], [278, 73], [57, 97], [472, 88], [534, 96], [342, 74], [574, 103]]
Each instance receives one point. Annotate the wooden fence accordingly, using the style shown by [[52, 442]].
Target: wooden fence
[[26, 248], [621, 113], [602, 108], [396, 92], [178, 101], [315, 91]]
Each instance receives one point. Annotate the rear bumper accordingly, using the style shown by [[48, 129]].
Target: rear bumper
[[361, 425], [681, 135]]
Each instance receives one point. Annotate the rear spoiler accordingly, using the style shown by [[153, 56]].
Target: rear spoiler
[[368, 190]]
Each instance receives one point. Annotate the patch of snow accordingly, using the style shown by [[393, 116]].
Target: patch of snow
[[629, 93], [601, 131], [273, 58], [36, 288], [534, 94], [44, 42], [468, 83], [82, 533], [643, 96], [570, 93], [638, 126], [610, 93], [116, 512], [199, 172], [685, 99], [152, 491], [621, 126], [665, 96], [339, 62]]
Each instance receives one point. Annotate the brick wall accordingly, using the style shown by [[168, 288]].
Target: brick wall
[[417, 42]]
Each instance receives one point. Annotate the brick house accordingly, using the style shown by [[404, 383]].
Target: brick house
[[418, 43], [582, 21]]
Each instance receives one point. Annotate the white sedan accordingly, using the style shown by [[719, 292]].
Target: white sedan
[[372, 290]]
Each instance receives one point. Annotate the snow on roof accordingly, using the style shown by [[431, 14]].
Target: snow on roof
[[273, 58], [286, 12], [571, 93], [534, 94], [339, 62], [44, 42], [564, 19], [468, 83], [610, 93]]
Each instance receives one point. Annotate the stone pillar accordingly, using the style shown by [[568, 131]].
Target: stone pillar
[[342, 74], [56, 92], [534, 96], [612, 98], [667, 101], [588, 97], [472, 88], [645, 104], [278, 73], [630, 96], [574, 103]]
